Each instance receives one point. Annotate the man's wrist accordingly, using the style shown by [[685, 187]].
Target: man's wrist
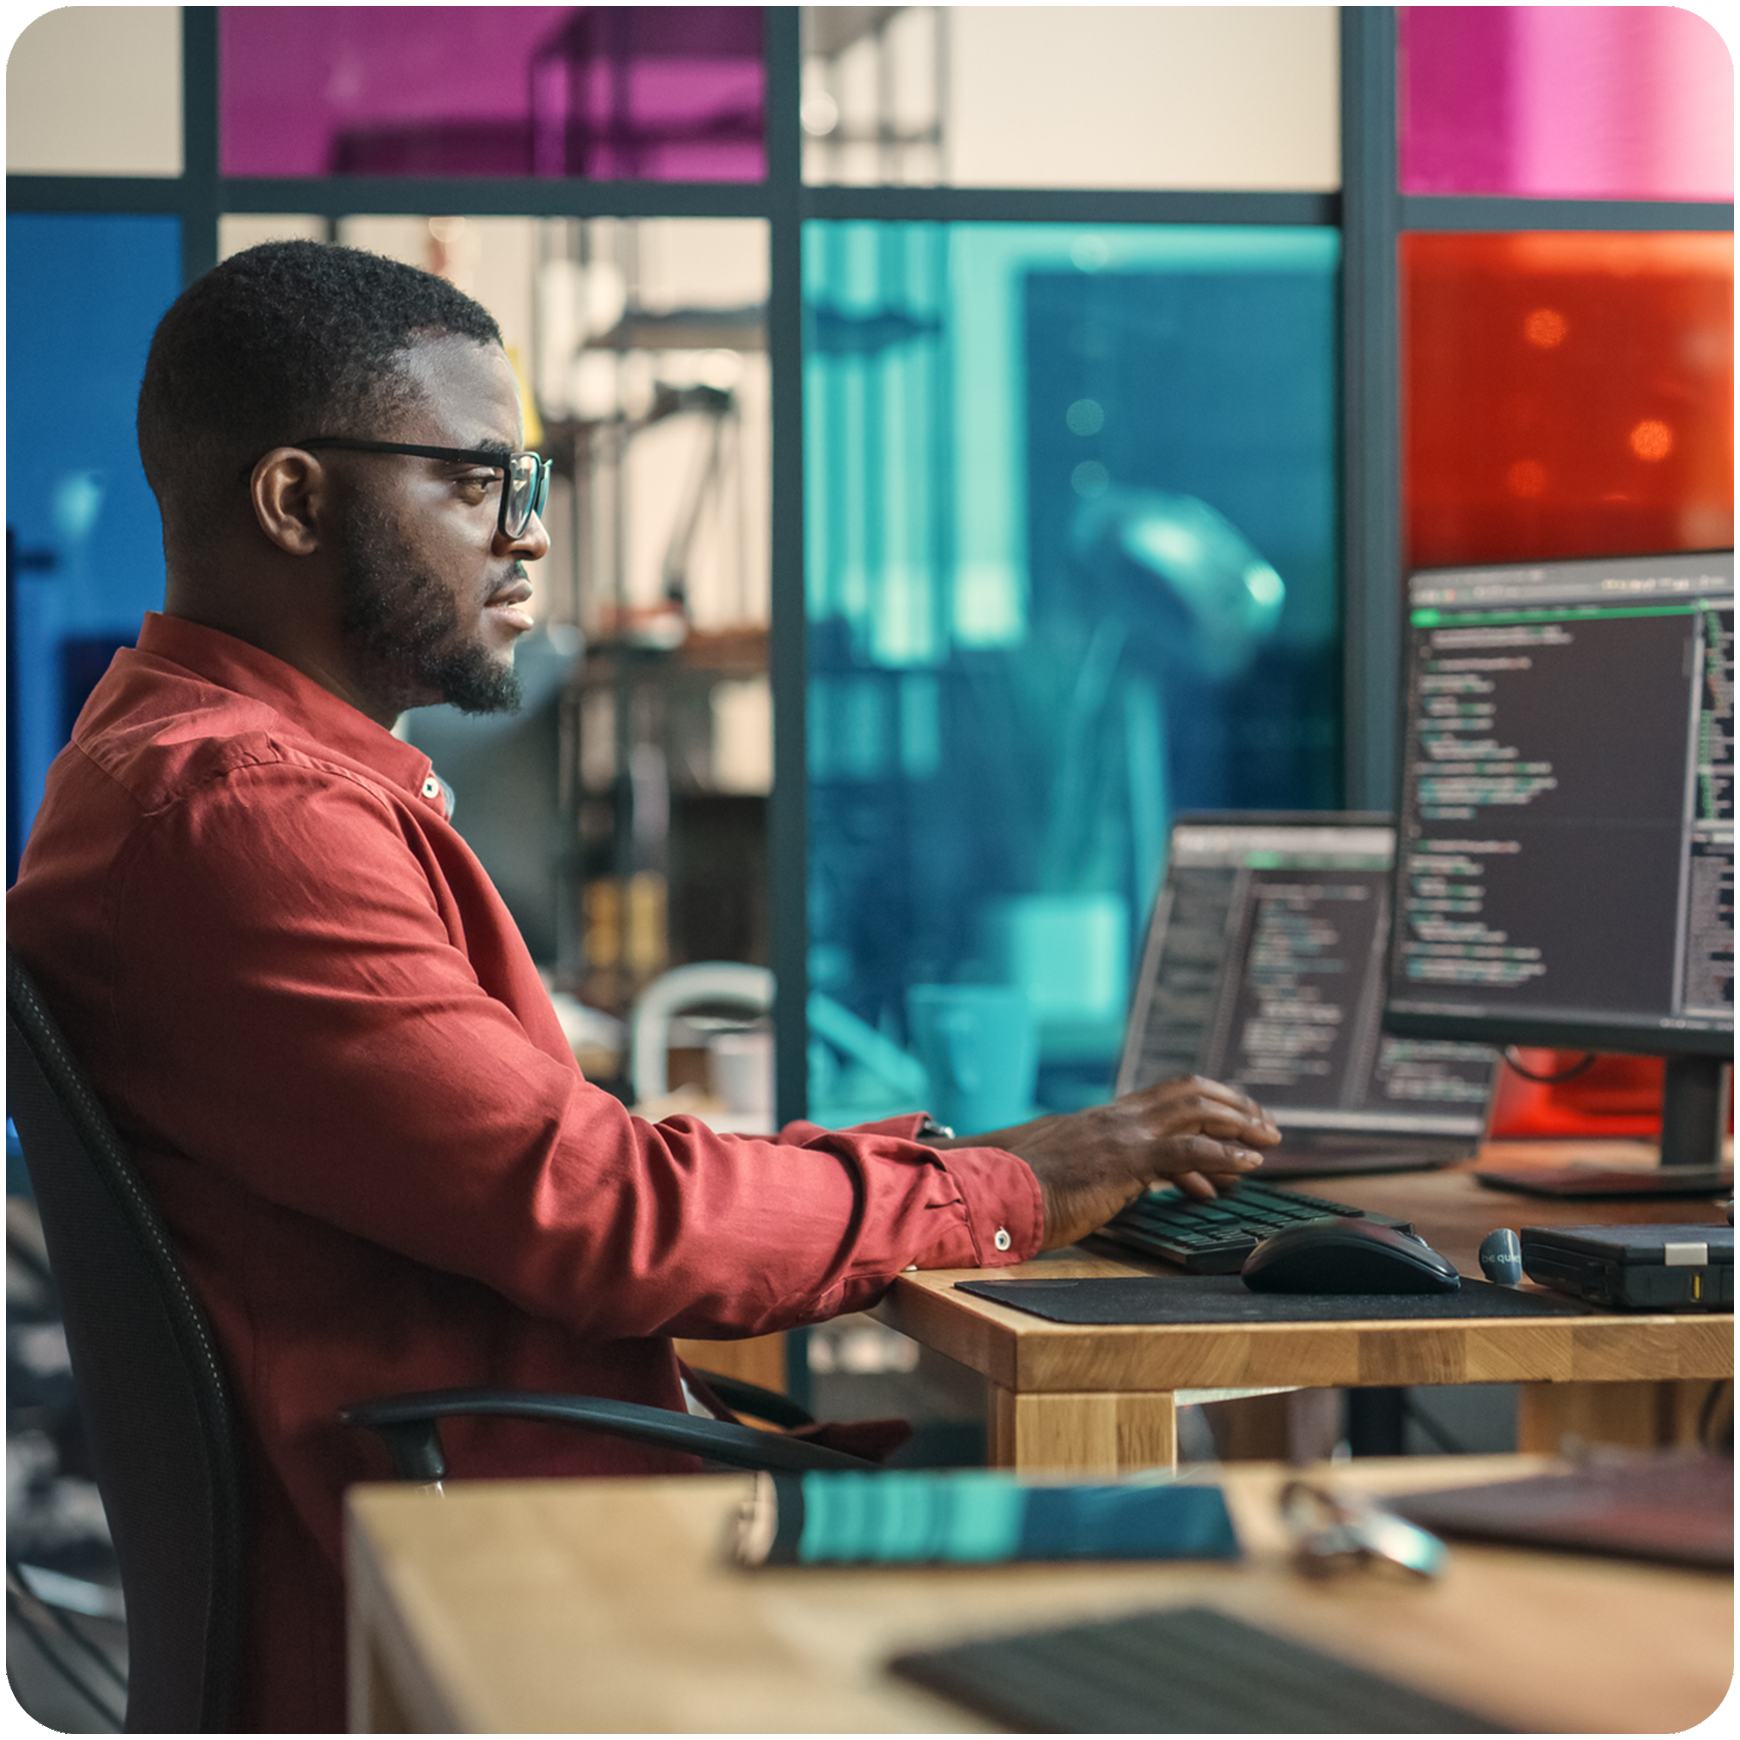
[[933, 1134]]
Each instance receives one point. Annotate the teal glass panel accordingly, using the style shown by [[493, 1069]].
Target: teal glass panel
[[1070, 501]]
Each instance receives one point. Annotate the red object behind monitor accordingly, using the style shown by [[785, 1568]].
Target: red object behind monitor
[[1614, 1096]]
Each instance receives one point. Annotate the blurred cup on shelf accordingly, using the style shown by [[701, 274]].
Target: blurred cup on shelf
[[978, 1046], [740, 1072]]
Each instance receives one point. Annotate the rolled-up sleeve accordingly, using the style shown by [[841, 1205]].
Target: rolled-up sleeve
[[294, 946], [1001, 1210]]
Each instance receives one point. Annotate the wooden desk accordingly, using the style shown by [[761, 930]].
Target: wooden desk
[[606, 1606], [1104, 1399]]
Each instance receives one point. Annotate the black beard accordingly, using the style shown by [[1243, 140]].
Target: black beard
[[403, 625]]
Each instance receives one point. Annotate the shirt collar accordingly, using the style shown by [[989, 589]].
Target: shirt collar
[[235, 664]]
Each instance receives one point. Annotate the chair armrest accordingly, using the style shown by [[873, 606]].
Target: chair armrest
[[409, 1426], [747, 1398]]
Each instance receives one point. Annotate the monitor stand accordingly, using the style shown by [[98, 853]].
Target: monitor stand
[[1694, 1120]]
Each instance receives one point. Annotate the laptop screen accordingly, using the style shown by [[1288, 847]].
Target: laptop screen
[[1264, 967]]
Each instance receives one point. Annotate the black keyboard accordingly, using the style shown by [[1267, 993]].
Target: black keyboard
[[1214, 1238], [1186, 1671]]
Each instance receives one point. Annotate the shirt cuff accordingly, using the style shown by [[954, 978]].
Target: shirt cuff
[[1005, 1219], [1005, 1213], [905, 1125]]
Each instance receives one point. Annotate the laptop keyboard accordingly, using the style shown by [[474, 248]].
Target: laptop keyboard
[[1214, 1238]]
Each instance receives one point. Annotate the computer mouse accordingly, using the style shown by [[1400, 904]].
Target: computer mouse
[[1344, 1255]]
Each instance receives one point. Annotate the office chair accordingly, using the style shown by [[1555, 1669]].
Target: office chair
[[163, 1430]]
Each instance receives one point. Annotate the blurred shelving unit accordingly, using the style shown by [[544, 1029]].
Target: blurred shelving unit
[[654, 405]]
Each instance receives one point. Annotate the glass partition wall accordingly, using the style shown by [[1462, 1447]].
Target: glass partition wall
[[980, 432]]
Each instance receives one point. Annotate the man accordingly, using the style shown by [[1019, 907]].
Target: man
[[311, 1016]]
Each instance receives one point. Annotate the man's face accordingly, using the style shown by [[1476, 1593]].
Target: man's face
[[433, 594]]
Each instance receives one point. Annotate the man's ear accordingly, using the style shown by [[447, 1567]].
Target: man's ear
[[291, 494]]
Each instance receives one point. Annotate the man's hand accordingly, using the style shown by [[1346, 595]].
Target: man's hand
[[1089, 1164]]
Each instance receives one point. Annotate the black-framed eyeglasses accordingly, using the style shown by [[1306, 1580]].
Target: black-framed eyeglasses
[[526, 476]]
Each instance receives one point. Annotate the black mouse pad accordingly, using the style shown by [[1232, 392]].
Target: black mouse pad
[[1226, 1299]]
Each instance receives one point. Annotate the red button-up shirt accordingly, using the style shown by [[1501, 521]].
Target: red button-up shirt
[[312, 1018]]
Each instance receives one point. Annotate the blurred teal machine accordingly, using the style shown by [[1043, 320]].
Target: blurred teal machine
[[1071, 565]]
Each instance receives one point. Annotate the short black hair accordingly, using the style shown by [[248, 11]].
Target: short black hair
[[280, 342]]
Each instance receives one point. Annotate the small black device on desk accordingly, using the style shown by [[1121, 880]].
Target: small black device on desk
[[1651, 1267], [1214, 1238]]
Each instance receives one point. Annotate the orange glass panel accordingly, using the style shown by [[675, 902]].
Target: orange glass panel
[[1566, 394]]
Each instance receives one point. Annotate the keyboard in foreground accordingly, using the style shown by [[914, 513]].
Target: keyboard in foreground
[[1186, 1670]]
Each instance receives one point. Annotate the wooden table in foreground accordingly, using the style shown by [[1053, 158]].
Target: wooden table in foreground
[[608, 1606], [1102, 1400]]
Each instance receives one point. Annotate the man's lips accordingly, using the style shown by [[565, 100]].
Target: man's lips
[[506, 602], [517, 591]]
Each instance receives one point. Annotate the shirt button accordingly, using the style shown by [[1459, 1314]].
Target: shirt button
[[431, 787], [1002, 1239]]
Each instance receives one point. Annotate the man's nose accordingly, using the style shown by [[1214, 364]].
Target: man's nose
[[533, 544]]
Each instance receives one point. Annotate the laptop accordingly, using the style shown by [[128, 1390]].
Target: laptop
[[1263, 967]]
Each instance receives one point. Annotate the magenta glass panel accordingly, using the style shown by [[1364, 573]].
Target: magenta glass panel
[[1570, 102], [642, 93]]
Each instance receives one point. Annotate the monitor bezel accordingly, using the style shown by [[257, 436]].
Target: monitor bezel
[[1441, 568], [1569, 1035]]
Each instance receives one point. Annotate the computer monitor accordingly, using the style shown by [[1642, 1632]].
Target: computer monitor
[[1565, 865], [1264, 966]]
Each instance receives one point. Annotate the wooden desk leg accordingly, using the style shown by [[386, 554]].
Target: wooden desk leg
[[373, 1700], [387, 1688], [1082, 1433], [1644, 1415]]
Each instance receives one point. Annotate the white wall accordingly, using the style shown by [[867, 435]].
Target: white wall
[[1144, 96], [1217, 97], [96, 90]]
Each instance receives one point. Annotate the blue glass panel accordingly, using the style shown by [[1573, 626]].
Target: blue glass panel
[[1070, 501], [85, 550]]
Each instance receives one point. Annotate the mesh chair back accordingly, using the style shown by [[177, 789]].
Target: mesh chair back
[[155, 1404]]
